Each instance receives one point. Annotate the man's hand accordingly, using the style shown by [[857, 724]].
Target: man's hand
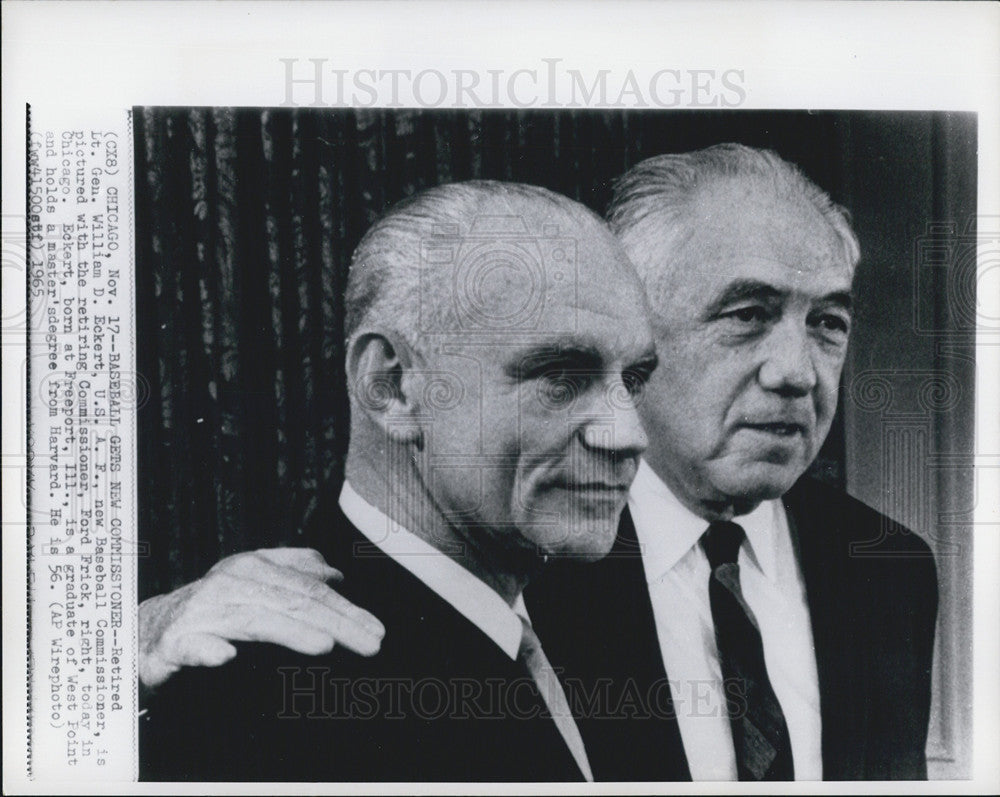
[[276, 595]]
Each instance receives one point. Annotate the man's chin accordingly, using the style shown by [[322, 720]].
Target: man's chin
[[759, 481], [587, 542]]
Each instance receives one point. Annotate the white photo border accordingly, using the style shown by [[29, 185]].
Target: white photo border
[[822, 55]]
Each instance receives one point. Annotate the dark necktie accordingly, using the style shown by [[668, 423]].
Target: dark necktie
[[760, 735]]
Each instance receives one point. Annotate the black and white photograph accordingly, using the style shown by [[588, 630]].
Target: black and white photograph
[[489, 446], [477, 397]]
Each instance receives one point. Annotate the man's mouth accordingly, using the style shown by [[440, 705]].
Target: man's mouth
[[778, 428], [596, 491]]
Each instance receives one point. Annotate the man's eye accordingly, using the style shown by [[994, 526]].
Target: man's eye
[[559, 388], [751, 314], [635, 380], [833, 325]]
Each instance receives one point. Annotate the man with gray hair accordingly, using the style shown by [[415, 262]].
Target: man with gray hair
[[770, 627], [794, 624], [497, 343]]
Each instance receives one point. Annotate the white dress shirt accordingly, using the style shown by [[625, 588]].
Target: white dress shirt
[[472, 598], [677, 572], [479, 603]]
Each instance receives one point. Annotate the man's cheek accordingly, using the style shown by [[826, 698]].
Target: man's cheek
[[827, 406], [829, 375]]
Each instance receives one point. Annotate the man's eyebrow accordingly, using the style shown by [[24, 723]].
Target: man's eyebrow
[[843, 298], [642, 369], [548, 356], [647, 362], [742, 290]]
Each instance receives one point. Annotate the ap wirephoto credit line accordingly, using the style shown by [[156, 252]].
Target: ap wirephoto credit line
[[83, 391]]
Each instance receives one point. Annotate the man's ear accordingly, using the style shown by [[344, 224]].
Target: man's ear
[[379, 367]]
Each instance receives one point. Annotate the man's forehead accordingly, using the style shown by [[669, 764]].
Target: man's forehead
[[738, 231], [756, 291], [783, 276], [567, 271], [746, 205], [584, 350], [588, 348]]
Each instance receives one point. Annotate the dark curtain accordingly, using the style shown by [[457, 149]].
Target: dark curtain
[[245, 222]]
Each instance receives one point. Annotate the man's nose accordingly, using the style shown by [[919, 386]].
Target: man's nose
[[788, 366], [620, 431]]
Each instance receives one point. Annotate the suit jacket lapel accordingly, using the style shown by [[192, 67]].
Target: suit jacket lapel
[[599, 616], [428, 639], [669, 761], [596, 624], [836, 608]]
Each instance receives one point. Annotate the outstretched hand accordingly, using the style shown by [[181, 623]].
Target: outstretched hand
[[276, 595]]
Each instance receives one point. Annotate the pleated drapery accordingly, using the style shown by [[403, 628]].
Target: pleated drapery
[[245, 222]]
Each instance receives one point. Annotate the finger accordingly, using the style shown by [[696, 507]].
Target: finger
[[284, 579], [154, 669], [346, 630], [202, 650], [260, 624], [321, 609], [305, 560]]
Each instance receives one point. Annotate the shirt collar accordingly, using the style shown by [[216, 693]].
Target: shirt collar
[[762, 527], [471, 597], [667, 530]]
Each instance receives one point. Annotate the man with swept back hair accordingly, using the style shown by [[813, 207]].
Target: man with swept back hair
[[794, 624], [387, 269], [772, 628], [651, 204], [497, 343]]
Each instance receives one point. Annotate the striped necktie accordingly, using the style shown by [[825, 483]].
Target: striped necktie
[[760, 735], [532, 656]]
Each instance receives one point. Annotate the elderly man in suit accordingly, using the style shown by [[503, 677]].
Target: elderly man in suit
[[773, 628], [496, 345], [777, 628]]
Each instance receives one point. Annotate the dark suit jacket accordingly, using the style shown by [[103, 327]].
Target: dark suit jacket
[[440, 701], [872, 593]]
